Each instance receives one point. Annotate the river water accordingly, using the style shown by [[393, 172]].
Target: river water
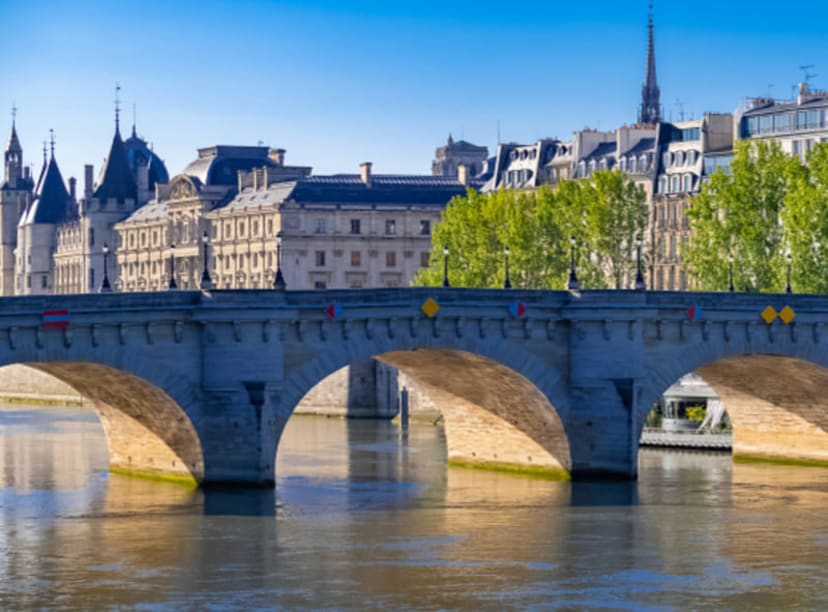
[[364, 517]]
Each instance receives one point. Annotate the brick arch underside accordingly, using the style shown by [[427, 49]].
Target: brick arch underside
[[494, 413], [147, 431], [778, 405]]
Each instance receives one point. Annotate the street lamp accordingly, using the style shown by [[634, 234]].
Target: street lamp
[[788, 271], [445, 267], [206, 282], [279, 280], [172, 284], [572, 284], [730, 271], [640, 285], [105, 288], [507, 284]]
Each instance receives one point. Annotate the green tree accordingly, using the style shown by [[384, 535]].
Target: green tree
[[805, 223], [740, 213], [604, 213]]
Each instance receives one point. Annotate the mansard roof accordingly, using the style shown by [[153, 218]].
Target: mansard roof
[[220, 164], [116, 180], [51, 202]]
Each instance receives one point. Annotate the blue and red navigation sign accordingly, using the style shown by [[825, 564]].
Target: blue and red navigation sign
[[334, 310], [55, 318], [694, 313], [517, 310]]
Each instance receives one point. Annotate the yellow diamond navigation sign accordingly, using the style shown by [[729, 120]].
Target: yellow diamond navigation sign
[[430, 308], [787, 314], [768, 315]]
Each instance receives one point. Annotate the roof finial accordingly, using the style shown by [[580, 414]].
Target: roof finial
[[14, 113], [52, 142], [134, 134], [117, 106], [44, 152]]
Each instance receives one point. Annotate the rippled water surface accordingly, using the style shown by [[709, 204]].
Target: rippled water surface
[[365, 517]]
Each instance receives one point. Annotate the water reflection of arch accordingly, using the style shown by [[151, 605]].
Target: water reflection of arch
[[143, 406], [774, 389], [505, 379]]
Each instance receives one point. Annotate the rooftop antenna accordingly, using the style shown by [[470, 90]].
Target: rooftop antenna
[[680, 105], [770, 90], [117, 105], [498, 131], [806, 75]]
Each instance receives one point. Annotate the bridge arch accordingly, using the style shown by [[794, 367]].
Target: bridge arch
[[776, 393], [145, 409], [493, 386]]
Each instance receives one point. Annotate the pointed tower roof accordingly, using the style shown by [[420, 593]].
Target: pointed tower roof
[[14, 141], [116, 180], [51, 202], [650, 112]]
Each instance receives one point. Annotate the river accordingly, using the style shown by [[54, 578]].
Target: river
[[367, 517]]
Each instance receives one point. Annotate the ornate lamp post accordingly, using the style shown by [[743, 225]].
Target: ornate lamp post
[[788, 271], [172, 284], [279, 280], [206, 282], [640, 285], [445, 267], [105, 287], [507, 284], [572, 284]]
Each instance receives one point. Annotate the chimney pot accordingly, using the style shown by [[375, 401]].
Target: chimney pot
[[72, 184], [88, 181]]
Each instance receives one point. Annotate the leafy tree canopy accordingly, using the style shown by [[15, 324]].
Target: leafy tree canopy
[[605, 213]]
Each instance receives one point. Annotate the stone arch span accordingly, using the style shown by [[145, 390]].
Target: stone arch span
[[776, 395], [148, 431], [503, 405]]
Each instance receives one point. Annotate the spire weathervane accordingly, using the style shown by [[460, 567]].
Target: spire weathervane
[[117, 106]]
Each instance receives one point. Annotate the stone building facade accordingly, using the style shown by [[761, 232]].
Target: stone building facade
[[452, 155]]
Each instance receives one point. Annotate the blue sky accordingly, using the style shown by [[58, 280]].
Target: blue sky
[[339, 83]]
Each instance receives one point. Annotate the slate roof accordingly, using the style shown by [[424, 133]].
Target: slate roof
[[602, 150], [116, 180], [645, 145], [51, 202], [219, 165], [398, 190], [14, 142], [138, 153], [775, 107]]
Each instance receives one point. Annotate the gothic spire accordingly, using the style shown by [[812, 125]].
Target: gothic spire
[[14, 141], [650, 112]]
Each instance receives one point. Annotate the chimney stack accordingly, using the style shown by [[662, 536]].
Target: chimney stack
[[278, 156], [72, 184], [255, 173], [143, 184], [265, 177], [240, 179], [87, 181], [365, 172], [462, 174]]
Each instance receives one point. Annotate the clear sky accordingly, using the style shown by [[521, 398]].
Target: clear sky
[[339, 83]]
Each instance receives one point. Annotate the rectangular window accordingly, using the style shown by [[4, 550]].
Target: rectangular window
[[782, 122], [92, 277], [43, 282], [356, 258], [390, 259], [319, 226], [355, 226], [424, 257], [390, 226], [765, 124], [425, 227], [91, 236], [320, 258], [320, 285], [356, 284]]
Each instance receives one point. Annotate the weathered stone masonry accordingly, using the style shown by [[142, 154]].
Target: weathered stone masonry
[[201, 385]]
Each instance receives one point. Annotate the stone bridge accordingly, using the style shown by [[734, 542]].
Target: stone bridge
[[200, 385]]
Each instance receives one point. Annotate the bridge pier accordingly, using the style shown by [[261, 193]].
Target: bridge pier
[[240, 429], [602, 437]]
